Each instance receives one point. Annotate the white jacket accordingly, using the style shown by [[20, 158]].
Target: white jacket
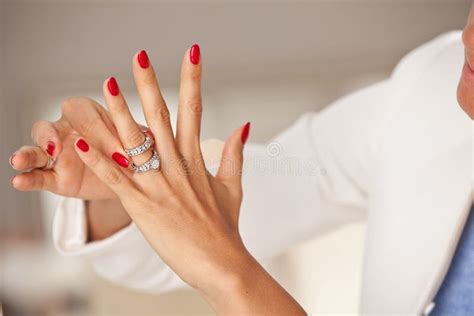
[[397, 154]]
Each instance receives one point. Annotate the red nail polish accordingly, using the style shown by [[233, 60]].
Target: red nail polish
[[245, 133], [50, 146], [82, 145], [120, 159], [10, 161], [113, 86], [143, 59], [195, 54]]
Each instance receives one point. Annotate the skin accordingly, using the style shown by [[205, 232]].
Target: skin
[[193, 217], [466, 83], [71, 178], [187, 215], [243, 285]]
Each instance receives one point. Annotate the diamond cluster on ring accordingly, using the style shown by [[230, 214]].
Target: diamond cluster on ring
[[152, 164], [140, 149]]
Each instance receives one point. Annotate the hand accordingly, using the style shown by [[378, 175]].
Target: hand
[[466, 84], [188, 216], [69, 177]]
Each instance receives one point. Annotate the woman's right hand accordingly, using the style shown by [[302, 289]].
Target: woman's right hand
[[69, 177]]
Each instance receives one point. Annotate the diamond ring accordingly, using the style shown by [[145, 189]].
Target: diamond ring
[[152, 164], [140, 149]]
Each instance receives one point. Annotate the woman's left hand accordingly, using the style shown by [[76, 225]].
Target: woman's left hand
[[187, 215]]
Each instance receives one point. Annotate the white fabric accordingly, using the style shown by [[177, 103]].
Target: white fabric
[[397, 154]]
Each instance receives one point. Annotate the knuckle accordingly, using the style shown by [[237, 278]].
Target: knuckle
[[38, 181], [184, 167], [37, 127], [195, 106], [148, 79], [95, 160], [135, 138], [113, 176], [87, 128], [119, 108], [195, 76], [31, 158], [162, 113]]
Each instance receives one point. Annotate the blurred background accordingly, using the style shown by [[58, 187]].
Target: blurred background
[[264, 61]]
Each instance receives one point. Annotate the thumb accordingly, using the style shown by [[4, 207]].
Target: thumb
[[230, 168]]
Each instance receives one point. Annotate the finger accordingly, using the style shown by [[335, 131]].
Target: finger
[[28, 157], [45, 135], [35, 180], [190, 105], [230, 169], [130, 133], [106, 170], [154, 107], [87, 118]]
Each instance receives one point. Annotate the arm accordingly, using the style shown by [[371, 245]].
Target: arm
[[279, 209]]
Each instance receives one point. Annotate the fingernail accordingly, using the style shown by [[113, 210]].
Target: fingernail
[[82, 145], [143, 59], [113, 86], [10, 161], [245, 133], [50, 146], [195, 54], [120, 159], [11, 180]]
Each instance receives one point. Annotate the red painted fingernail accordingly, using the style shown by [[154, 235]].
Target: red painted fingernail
[[245, 133], [50, 146], [113, 86], [120, 159], [11, 180], [195, 54], [82, 145], [143, 59], [10, 161]]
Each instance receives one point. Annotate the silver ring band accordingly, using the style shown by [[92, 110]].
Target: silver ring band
[[132, 152], [152, 164], [50, 163]]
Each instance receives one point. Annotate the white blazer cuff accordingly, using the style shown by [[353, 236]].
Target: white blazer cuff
[[70, 231]]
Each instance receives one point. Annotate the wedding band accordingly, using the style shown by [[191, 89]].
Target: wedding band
[[50, 163], [152, 164], [132, 152]]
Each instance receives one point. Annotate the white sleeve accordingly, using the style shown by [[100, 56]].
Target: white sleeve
[[124, 258], [311, 178]]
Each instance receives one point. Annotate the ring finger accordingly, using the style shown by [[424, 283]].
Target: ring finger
[[130, 133]]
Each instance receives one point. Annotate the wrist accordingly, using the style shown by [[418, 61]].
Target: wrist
[[247, 289], [104, 218], [227, 287]]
